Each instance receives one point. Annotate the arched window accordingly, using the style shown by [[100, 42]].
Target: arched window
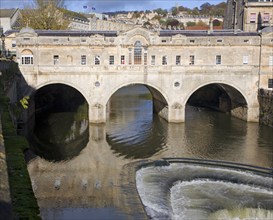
[[137, 53], [27, 57]]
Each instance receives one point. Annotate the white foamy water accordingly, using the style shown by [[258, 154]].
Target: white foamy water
[[182, 191]]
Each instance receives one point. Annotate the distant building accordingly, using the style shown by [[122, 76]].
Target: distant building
[[9, 19], [248, 15]]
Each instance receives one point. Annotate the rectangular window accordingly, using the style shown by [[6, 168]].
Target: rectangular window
[[83, 59], [111, 60], [219, 40], [55, 59], [178, 60], [153, 60], [27, 59], [13, 43], [97, 60], [130, 56], [218, 59], [191, 60], [145, 57], [122, 59], [266, 18], [163, 41], [245, 59], [270, 83], [270, 61], [252, 17], [164, 60], [192, 41]]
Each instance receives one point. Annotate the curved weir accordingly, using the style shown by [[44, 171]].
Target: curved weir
[[200, 189]]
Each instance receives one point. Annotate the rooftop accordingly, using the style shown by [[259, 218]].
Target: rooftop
[[4, 13]]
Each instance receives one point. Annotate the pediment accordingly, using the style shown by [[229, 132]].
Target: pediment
[[179, 36], [25, 34], [137, 34], [98, 36]]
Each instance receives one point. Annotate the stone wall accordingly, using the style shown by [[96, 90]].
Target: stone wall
[[265, 98], [5, 200]]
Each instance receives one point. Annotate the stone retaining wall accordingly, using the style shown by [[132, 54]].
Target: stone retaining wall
[[265, 98], [5, 200]]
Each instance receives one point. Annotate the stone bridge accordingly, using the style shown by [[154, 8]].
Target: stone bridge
[[173, 65]]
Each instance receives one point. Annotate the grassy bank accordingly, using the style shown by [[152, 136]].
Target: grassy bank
[[24, 204]]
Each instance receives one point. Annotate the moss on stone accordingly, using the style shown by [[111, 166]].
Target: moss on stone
[[24, 204]]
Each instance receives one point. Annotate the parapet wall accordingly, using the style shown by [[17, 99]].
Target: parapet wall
[[265, 98]]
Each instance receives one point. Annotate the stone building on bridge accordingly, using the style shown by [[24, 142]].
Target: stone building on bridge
[[174, 65]]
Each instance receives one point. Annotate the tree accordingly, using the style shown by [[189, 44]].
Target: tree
[[45, 15], [162, 12], [172, 23], [190, 23]]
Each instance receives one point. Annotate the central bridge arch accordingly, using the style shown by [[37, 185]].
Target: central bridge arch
[[159, 98]]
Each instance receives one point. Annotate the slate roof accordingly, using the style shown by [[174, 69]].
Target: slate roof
[[162, 33], [196, 33], [7, 13]]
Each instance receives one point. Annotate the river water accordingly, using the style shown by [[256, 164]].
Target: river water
[[84, 171]]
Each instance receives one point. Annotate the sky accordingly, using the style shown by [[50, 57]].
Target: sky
[[114, 5]]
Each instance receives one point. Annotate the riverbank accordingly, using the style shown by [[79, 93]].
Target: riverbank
[[21, 204], [5, 200]]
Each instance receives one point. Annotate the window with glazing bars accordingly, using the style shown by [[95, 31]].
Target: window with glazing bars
[[145, 57], [130, 56], [97, 60], [55, 59], [122, 59], [153, 60], [111, 60], [27, 59], [83, 59], [164, 60], [137, 53], [178, 60], [191, 60], [218, 59]]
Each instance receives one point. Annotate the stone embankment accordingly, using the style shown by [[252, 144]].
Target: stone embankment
[[5, 200], [265, 98]]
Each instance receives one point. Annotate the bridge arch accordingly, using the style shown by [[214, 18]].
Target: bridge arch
[[160, 99], [39, 86], [231, 98]]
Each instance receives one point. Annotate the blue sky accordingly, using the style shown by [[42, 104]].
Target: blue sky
[[114, 5]]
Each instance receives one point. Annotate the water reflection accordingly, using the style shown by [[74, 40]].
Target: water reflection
[[96, 171], [59, 135]]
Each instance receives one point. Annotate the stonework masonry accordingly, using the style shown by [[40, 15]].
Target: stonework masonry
[[266, 107], [172, 64]]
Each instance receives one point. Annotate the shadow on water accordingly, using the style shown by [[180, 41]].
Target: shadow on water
[[59, 129]]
